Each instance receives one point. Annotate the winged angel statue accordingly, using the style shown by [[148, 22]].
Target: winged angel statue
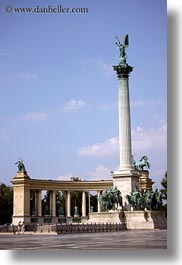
[[122, 47]]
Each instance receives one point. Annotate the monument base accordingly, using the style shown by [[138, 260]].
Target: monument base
[[126, 181], [132, 219]]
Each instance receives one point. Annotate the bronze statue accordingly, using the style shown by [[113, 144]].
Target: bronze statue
[[134, 164], [110, 199], [76, 213], [140, 200], [21, 166], [122, 47], [142, 163]]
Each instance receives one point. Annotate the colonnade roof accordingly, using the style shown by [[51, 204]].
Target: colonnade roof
[[63, 185]]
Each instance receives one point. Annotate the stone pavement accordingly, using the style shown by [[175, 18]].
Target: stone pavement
[[133, 239]]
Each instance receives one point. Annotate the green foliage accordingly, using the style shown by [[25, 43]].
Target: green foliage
[[93, 202], [164, 186], [60, 201], [76, 200], [6, 204]]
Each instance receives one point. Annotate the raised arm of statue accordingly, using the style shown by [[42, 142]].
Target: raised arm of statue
[[21, 166], [118, 43]]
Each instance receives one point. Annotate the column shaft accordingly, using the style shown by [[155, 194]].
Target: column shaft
[[98, 203], [53, 203], [124, 125], [68, 202], [38, 202], [83, 203]]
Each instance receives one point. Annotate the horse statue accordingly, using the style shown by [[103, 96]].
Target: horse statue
[[134, 199], [103, 199], [134, 164], [110, 199], [143, 163], [157, 199], [148, 199]]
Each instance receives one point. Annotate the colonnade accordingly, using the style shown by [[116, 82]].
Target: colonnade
[[23, 200], [38, 211]]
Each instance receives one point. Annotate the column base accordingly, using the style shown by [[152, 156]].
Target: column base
[[126, 181], [68, 220], [84, 219], [125, 172], [17, 219]]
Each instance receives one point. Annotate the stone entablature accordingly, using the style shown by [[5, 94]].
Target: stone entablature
[[64, 185]]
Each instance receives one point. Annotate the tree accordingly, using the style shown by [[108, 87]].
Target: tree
[[93, 202], [6, 204], [164, 186], [60, 202]]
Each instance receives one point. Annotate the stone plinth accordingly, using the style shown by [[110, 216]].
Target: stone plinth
[[144, 181], [21, 198], [145, 220], [132, 219], [125, 181], [105, 217]]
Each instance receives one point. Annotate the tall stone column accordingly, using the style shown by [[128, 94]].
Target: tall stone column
[[53, 203], [83, 204], [68, 204], [98, 203], [38, 202], [126, 178], [125, 151]]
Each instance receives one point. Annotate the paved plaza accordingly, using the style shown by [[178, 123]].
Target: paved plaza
[[133, 239]]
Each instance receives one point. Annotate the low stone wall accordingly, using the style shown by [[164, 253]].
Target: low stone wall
[[145, 220], [132, 219], [105, 217]]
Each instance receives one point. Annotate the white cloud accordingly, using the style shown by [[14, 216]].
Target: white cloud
[[150, 102], [101, 172], [5, 53], [35, 116], [149, 139], [104, 67], [108, 106], [138, 103], [73, 105], [30, 76], [143, 139], [66, 176], [3, 135], [105, 148]]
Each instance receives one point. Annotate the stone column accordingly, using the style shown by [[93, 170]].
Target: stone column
[[83, 203], [68, 202], [98, 203], [52, 203], [126, 178], [38, 202], [124, 117]]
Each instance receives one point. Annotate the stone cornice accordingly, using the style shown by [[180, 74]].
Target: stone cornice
[[123, 70], [62, 185]]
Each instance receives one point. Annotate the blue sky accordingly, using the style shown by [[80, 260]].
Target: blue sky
[[58, 91]]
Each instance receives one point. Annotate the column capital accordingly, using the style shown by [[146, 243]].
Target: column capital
[[123, 70]]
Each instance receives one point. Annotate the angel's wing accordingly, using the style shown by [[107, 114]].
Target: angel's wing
[[126, 41]]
